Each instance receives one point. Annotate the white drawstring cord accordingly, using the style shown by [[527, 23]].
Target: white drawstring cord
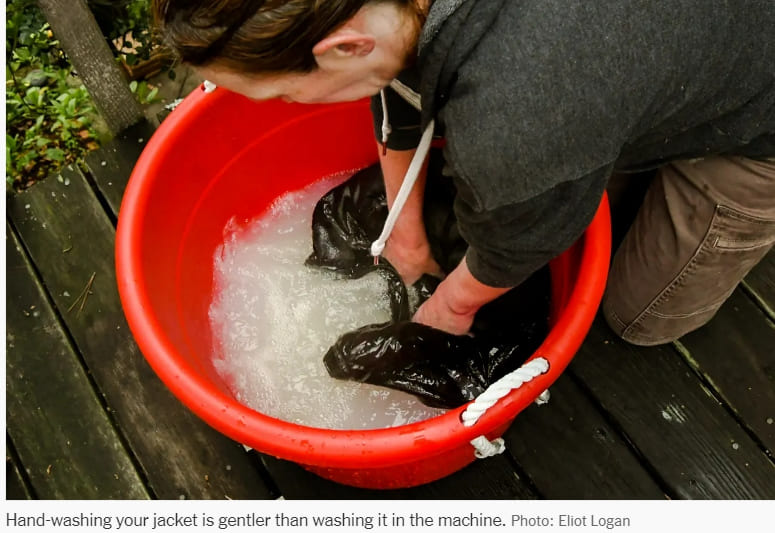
[[386, 129], [406, 187]]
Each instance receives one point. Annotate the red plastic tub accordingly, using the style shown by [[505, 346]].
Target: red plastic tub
[[218, 156]]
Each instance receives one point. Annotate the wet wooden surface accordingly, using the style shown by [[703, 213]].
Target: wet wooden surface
[[88, 419]]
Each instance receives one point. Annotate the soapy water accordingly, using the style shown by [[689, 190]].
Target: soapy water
[[273, 319]]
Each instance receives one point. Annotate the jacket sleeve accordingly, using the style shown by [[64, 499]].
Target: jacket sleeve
[[508, 243]]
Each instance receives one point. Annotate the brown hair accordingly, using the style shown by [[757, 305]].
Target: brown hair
[[257, 36]]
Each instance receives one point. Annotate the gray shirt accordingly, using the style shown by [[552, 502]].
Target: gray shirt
[[540, 100]]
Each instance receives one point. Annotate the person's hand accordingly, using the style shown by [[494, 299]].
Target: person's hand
[[457, 299], [437, 313], [412, 262]]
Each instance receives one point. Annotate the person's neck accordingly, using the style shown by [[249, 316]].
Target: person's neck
[[397, 29]]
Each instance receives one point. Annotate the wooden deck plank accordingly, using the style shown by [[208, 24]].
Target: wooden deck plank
[[760, 284], [112, 165], [63, 436], [492, 478], [691, 441], [15, 486], [735, 352], [70, 240], [571, 452]]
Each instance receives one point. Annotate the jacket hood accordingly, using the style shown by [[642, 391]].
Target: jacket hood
[[439, 12], [452, 30]]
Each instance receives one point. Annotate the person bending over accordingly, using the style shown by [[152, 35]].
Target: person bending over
[[539, 103]]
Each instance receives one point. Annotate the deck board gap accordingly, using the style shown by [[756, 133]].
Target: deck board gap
[[265, 475], [760, 302], [522, 474], [707, 383], [99, 194], [25, 483], [611, 420]]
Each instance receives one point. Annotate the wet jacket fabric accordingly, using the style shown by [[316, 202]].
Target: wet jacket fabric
[[440, 369], [540, 100]]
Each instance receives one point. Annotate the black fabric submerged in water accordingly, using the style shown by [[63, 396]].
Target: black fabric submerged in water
[[441, 369]]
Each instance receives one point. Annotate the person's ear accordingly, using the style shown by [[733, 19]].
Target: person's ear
[[344, 43]]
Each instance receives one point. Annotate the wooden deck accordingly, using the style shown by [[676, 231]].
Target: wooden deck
[[88, 419]]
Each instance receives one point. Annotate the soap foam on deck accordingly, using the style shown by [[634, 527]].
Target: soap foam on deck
[[274, 318]]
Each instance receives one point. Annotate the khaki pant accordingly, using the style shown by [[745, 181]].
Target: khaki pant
[[703, 225]]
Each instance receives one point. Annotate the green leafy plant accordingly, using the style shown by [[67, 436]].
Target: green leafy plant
[[49, 114], [145, 93], [50, 118]]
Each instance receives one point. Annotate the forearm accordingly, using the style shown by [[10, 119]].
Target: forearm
[[456, 300], [463, 294], [409, 230]]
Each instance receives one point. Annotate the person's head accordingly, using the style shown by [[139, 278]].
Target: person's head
[[301, 50]]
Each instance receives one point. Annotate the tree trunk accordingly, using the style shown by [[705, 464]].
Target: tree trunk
[[81, 38]]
